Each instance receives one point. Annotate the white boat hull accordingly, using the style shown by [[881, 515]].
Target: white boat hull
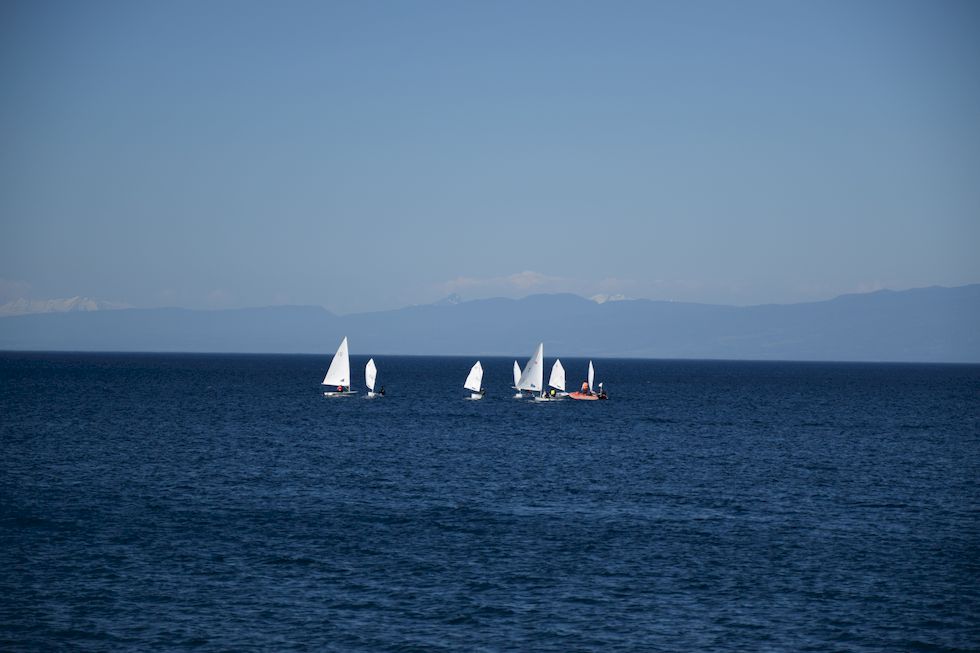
[[334, 393], [540, 398], [475, 395]]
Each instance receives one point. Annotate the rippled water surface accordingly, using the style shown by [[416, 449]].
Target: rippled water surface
[[222, 503]]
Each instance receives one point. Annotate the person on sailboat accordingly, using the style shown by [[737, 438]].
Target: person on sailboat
[[340, 388], [552, 393], [382, 391], [585, 388]]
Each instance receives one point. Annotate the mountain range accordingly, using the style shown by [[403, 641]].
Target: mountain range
[[934, 324], [69, 305]]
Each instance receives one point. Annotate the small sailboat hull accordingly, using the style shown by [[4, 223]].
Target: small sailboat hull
[[475, 395], [347, 393]]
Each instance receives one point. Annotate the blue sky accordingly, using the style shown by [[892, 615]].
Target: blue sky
[[369, 155]]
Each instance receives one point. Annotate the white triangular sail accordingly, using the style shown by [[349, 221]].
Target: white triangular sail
[[557, 379], [517, 374], [591, 377], [338, 373], [370, 374], [532, 378], [475, 378]]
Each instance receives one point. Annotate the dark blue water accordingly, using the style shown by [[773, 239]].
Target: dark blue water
[[221, 503]]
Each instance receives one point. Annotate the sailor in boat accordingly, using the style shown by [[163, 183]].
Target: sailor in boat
[[602, 393], [382, 391], [552, 393], [340, 388], [585, 388]]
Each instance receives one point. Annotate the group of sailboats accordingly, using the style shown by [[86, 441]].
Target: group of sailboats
[[338, 376], [530, 379]]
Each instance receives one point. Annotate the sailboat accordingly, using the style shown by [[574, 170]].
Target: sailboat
[[517, 379], [338, 374], [473, 381], [532, 378], [587, 393], [370, 374], [556, 381]]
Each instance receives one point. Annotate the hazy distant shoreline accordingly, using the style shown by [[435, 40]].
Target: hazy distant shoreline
[[935, 324]]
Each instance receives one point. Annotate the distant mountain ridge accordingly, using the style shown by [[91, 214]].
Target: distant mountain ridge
[[933, 324], [29, 306]]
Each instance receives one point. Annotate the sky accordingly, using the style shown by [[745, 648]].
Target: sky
[[370, 155]]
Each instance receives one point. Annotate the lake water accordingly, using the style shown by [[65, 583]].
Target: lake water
[[153, 502]]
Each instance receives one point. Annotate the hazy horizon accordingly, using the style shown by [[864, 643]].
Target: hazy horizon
[[86, 304], [370, 157], [922, 325]]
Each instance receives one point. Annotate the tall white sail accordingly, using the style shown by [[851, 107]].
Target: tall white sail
[[475, 378], [591, 376], [339, 370], [557, 379], [532, 378], [517, 374], [370, 374]]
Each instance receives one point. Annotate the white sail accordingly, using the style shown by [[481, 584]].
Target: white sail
[[557, 379], [532, 378], [517, 374], [591, 376], [339, 372], [370, 374], [475, 378]]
